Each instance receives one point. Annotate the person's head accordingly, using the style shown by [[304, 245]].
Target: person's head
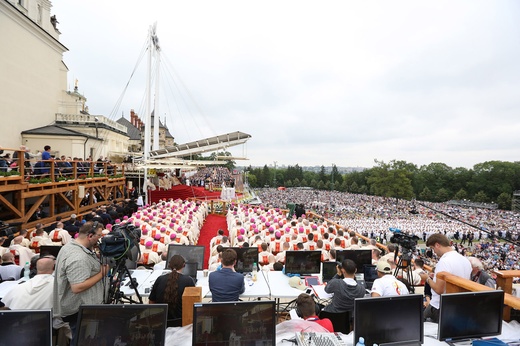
[[90, 233], [299, 246], [59, 225], [23, 233], [39, 232], [376, 254], [45, 264], [439, 244], [278, 266], [337, 242], [476, 265], [332, 254], [419, 263], [286, 246], [319, 244], [224, 239], [17, 240], [348, 268], [220, 232], [310, 236], [177, 262], [229, 257], [305, 306], [263, 246], [47, 148], [391, 247], [8, 257], [383, 268]]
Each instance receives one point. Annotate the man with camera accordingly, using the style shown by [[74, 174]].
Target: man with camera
[[344, 287], [79, 275]]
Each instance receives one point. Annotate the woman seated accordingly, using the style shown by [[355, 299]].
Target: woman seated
[[168, 288]]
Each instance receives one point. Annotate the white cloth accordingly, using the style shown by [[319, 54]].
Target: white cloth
[[33, 294], [388, 285], [10, 272], [453, 263]]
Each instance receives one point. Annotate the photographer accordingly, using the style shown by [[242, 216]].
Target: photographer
[[344, 287]]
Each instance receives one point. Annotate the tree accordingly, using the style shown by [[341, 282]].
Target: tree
[[303, 182], [354, 188], [460, 195], [321, 185], [251, 178], [426, 194], [296, 182], [481, 197], [504, 201], [442, 195], [322, 175], [388, 181]]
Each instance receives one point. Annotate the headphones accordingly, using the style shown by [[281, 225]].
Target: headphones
[[92, 231]]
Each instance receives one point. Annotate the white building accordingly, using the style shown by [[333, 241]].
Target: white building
[[33, 91]]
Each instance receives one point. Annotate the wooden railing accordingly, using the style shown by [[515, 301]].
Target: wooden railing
[[455, 284]]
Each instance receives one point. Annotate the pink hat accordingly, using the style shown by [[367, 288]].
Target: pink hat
[[314, 227], [267, 224], [256, 231], [179, 229], [172, 224], [301, 229], [157, 237], [163, 229], [149, 243], [138, 216], [109, 226], [277, 235], [145, 231], [271, 229], [137, 224], [242, 231], [172, 236], [240, 238]]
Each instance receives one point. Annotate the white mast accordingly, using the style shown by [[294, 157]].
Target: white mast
[[157, 52], [148, 115]]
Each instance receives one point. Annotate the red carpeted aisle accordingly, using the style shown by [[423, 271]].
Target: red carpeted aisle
[[211, 225]]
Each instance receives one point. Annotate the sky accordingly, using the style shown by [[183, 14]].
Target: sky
[[313, 82]]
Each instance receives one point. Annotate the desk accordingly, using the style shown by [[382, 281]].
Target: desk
[[258, 289], [140, 276]]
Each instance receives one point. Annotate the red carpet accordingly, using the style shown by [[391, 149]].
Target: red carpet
[[211, 225], [183, 192]]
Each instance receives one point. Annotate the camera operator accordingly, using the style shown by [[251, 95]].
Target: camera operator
[[79, 275]]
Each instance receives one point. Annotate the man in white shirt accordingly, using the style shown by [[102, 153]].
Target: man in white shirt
[[387, 284], [449, 261], [37, 292]]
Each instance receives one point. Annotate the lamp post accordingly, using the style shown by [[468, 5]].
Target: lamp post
[[96, 120]]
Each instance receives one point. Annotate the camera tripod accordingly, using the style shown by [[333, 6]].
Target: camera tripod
[[117, 275], [404, 265]]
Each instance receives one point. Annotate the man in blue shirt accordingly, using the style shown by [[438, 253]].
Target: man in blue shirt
[[225, 284]]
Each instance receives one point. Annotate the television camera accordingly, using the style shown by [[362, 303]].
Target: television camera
[[118, 247], [408, 244]]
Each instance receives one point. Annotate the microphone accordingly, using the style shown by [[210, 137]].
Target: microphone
[[266, 281]]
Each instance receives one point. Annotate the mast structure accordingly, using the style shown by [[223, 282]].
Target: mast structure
[[153, 53]]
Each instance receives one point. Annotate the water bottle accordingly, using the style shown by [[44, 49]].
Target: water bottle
[[255, 271], [361, 341], [26, 271]]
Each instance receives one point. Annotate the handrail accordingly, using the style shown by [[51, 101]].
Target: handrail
[[456, 284]]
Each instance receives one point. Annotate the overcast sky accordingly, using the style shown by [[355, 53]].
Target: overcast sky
[[313, 82]]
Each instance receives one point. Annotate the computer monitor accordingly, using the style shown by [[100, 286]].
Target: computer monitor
[[53, 250], [470, 315], [389, 319], [191, 253], [246, 257], [234, 323], [328, 270], [302, 262], [360, 257], [26, 327], [370, 273], [126, 324]]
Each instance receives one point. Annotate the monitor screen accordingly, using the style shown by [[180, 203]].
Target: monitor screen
[[49, 250], [234, 323], [389, 319], [302, 262], [191, 253], [328, 271], [360, 257], [122, 324], [470, 315], [26, 327], [370, 273], [246, 256]]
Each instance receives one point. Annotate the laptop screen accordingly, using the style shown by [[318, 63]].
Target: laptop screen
[[130, 324], [26, 327], [328, 271], [234, 323]]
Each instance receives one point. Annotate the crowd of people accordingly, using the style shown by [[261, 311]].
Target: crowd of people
[[216, 175], [378, 218], [354, 222]]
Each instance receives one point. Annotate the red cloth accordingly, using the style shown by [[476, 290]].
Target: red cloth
[[325, 322]]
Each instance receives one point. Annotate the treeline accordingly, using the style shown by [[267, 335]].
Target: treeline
[[488, 182]]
